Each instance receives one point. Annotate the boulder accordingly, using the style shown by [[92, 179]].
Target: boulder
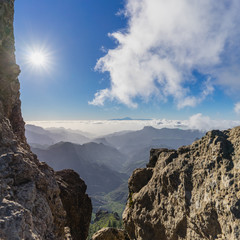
[[110, 234]]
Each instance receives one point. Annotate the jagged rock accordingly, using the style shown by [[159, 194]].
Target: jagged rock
[[76, 202], [193, 192], [30, 203], [139, 179], [110, 234]]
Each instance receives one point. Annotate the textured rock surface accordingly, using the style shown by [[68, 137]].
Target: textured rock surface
[[76, 203], [110, 234], [30, 204], [9, 71], [192, 193]]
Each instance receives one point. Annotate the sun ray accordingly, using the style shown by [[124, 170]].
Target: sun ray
[[37, 59]]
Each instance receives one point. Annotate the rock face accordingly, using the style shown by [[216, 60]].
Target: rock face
[[76, 203], [9, 71], [110, 234], [30, 203], [191, 193]]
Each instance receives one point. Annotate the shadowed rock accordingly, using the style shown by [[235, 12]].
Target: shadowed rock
[[76, 202]]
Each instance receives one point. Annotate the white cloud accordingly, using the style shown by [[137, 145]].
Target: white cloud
[[237, 108], [103, 127], [163, 43], [198, 121], [201, 122]]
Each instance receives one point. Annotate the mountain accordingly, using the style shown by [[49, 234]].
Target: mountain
[[174, 138], [39, 137], [129, 119], [94, 162], [121, 119], [137, 144], [102, 163]]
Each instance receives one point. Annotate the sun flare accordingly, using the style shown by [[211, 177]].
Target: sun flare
[[37, 58]]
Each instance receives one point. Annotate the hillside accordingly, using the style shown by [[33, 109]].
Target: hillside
[[94, 163], [135, 145], [129, 142], [105, 219], [40, 137]]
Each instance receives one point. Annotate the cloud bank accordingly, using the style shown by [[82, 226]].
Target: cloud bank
[[164, 43], [237, 108], [205, 123], [98, 128]]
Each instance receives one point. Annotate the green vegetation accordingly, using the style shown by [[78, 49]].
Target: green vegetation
[[114, 206], [114, 201], [104, 219]]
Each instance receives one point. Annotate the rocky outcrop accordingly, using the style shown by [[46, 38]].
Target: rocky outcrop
[[9, 71], [191, 193], [110, 234], [76, 203], [30, 203]]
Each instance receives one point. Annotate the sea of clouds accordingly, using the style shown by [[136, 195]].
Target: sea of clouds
[[102, 127]]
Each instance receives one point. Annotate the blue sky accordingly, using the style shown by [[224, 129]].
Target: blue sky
[[165, 60]]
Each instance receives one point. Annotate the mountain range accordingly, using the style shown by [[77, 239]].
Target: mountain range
[[43, 138], [93, 162], [105, 163]]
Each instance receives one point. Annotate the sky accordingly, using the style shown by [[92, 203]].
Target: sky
[[107, 59]]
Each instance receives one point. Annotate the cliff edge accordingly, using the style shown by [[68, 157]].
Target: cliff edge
[[191, 193], [30, 198]]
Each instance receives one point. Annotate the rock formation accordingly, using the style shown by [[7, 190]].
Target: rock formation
[[110, 234], [191, 193], [75, 201], [30, 203]]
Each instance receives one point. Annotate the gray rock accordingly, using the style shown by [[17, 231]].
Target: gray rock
[[193, 192]]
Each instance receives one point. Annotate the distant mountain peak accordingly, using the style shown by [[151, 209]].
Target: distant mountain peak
[[149, 128], [120, 119], [128, 118]]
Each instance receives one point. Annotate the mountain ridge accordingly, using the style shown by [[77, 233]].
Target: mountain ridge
[[93, 167]]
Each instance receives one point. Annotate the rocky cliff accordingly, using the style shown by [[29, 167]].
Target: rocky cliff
[[76, 202], [30, 198], [191, 193]]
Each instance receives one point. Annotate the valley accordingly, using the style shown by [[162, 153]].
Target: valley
[[104, 163]]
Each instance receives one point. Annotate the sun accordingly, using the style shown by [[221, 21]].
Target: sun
[[37, 58]]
